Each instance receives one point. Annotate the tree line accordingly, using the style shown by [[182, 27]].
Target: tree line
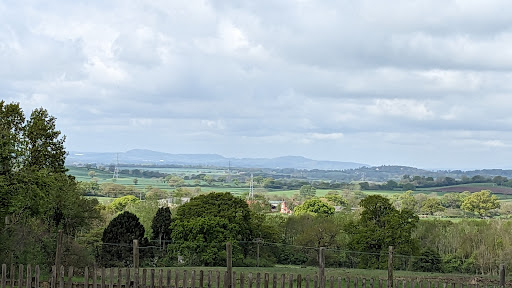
[[195, 234]]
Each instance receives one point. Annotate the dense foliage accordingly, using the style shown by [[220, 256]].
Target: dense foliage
[[314, 207], [37, 198], [202, 226], [118, 239], [381, 226]]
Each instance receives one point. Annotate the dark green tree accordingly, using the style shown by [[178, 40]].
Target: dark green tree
[[381, 226], [118, 239], [391, 184], [161, 225], [364, 185], [408, 186], [202, 226], [428, 261]]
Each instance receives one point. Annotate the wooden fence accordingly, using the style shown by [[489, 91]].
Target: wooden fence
[[26, 277]]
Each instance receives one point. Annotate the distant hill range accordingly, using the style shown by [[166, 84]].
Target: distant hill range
[[148, 157]]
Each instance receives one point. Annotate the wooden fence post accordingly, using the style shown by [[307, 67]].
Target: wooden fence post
[[86, 277], [119, 275], [128, 280], [144, 277], [36, 278], [135, 253], [258, 252], [111, 275], [502, 275], [58, 251], [103, 277], [20, 276], [152, 278], [390, 267], [70, 277], [12, 274], [29, 276], [53, 277], [136, 280], [4, 274], [94, 276], [229, 263], [160, 278], [321, 266], [201, 278]]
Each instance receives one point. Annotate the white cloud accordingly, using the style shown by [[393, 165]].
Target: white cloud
[[495, 143], [216, 125], [405, 108], [326, 136]]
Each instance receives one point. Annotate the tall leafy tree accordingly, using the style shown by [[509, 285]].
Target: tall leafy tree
[[480, 203], [307, 191], [431, 206], [12, 122], [202, 226], [407, 201], [45, 145], [381, 226]]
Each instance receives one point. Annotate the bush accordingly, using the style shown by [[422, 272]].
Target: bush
[[428, 261]]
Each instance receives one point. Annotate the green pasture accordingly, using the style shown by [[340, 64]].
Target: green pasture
[[81, 174]]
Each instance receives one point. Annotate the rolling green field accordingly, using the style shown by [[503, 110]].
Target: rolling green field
[[81, 174]]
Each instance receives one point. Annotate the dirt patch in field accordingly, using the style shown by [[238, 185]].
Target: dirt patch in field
[[493, 189]]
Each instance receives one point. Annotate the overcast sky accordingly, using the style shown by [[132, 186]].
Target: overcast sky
[[420, 83]]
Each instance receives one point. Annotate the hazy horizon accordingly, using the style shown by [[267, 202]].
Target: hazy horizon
[[114, 153]]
